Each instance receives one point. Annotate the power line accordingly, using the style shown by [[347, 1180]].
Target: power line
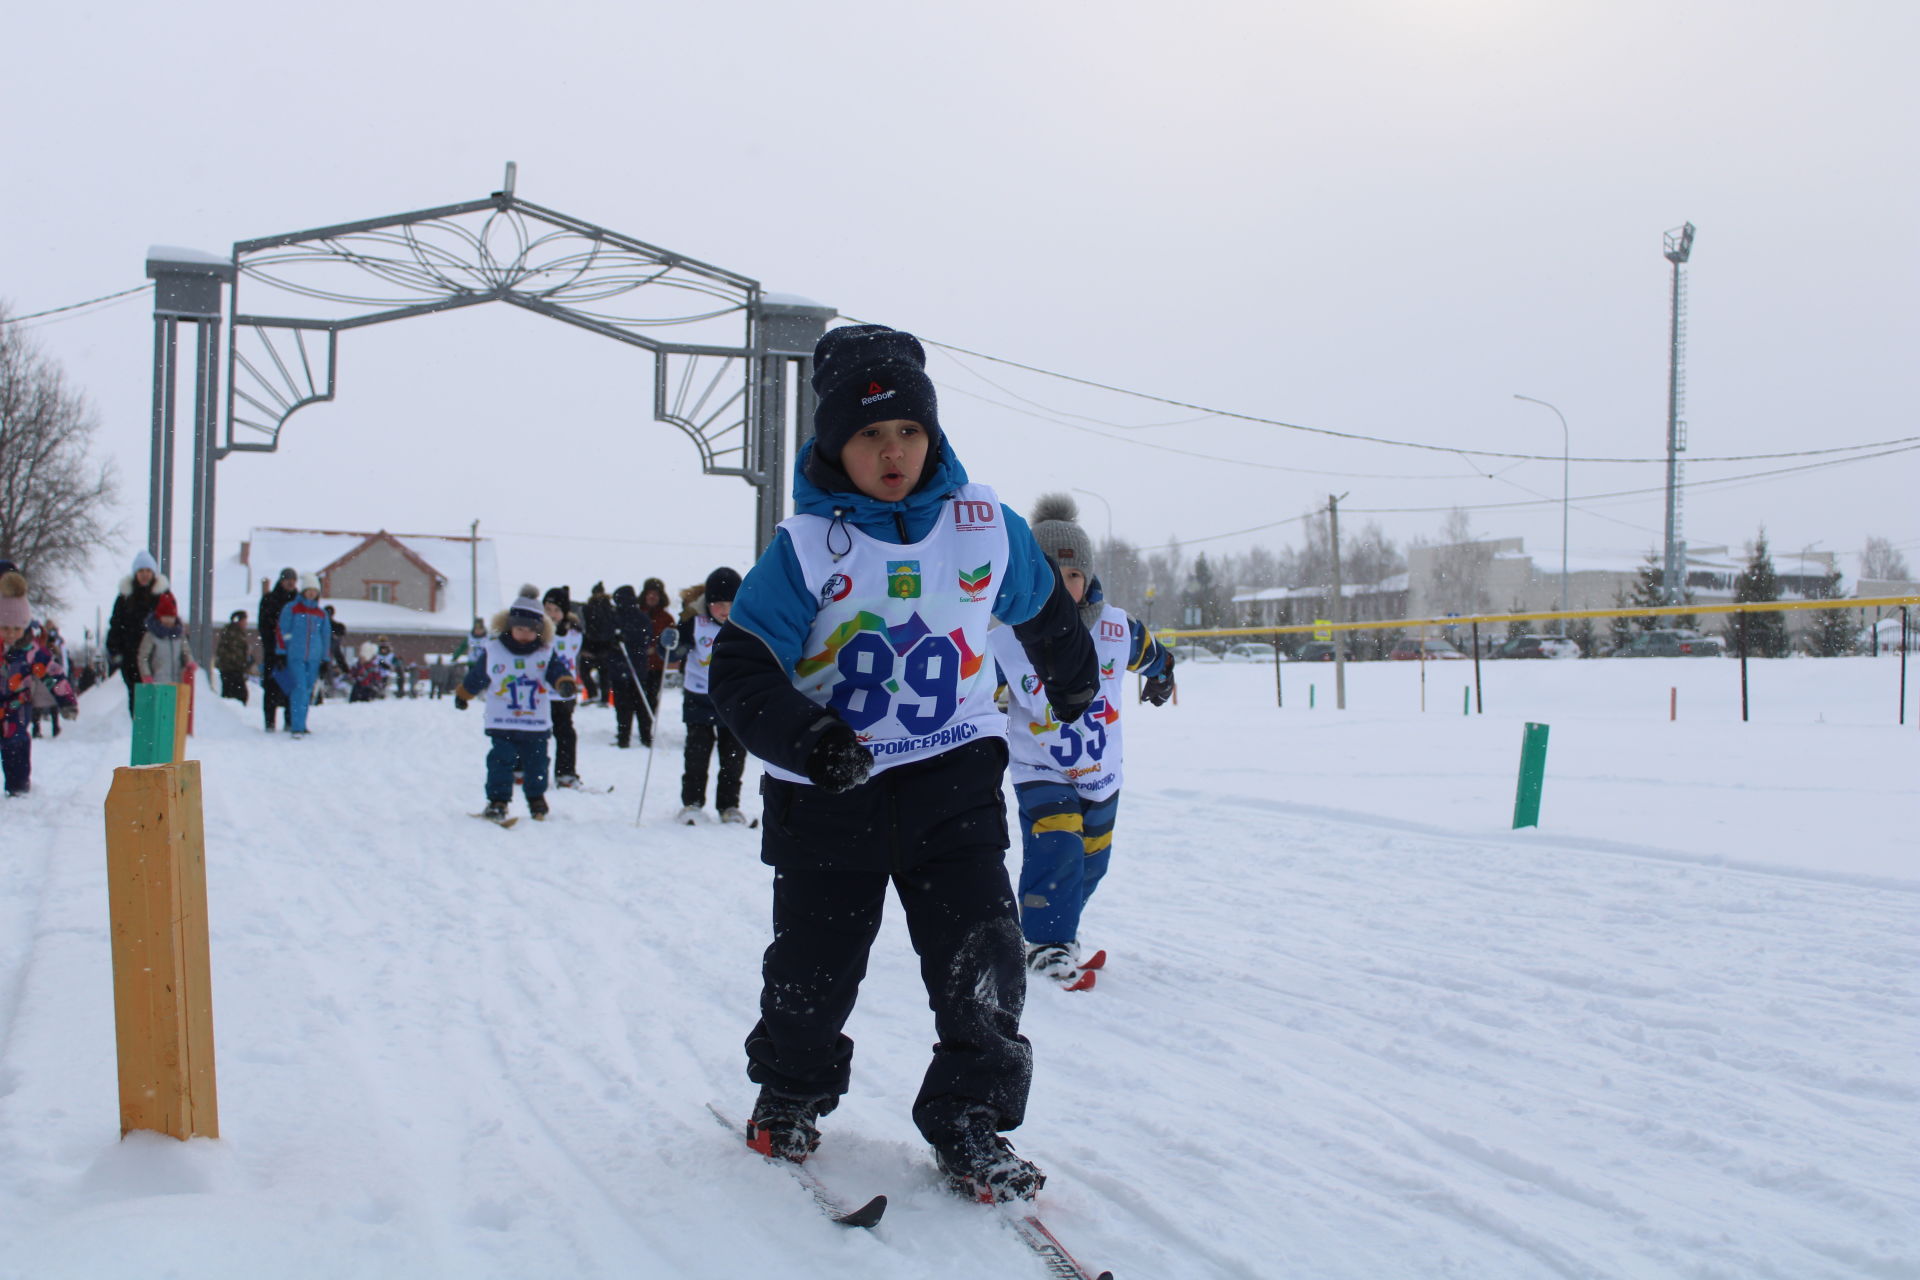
[[75, 306], [1385, 440], [1544, 501]]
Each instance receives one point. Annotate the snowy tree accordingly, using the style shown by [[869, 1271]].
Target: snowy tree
[[55, 502], [1649, 592], [1883, 562], [1758, 635], [1832, 633], [1580, 631], [1461, 567]]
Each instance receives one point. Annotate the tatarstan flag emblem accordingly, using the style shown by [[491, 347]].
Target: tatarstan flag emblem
[[974, 582]]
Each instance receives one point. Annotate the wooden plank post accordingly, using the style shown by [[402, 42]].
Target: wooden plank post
[[182, 718], [162, 966], [155, 739]]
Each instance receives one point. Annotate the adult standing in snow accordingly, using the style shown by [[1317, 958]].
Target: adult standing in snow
[[854, 667], [596, 641], [633, 634], [653, 668], [232, 655], [273, 602], [306, 637], [127, 626]]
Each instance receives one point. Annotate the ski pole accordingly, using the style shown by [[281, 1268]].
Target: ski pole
[[653, 731]]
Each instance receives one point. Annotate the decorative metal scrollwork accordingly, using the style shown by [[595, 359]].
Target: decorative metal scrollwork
[[496, 250]]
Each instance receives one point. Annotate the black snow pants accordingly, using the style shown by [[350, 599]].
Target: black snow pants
[[935, 831]]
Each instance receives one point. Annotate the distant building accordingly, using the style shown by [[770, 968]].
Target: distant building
[[1509, 579], [417, 590]]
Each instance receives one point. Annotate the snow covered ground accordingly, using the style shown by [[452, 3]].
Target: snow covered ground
[[1353, 1026]]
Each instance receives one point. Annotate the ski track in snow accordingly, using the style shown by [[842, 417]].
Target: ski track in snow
[[1333, 1040]]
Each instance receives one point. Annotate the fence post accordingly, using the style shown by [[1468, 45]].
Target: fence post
[[1479, 700], [1533, 776], [155, 724], [162, 971]]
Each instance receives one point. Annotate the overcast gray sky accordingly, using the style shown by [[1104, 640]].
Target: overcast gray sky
[[1381, 218]]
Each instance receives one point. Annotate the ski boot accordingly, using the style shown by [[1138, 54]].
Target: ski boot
[[496, 811], [689, 815], [733, 816], [1053, 961], [980, 1164], [782, 1126], [537, 806]]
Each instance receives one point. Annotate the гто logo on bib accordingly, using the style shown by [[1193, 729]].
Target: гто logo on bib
[[838, 587]]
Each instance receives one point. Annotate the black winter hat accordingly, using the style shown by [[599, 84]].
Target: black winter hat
[[868, 373], [561, 596], [723, 584]]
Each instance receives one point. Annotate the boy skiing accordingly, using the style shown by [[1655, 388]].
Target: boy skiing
[[853, 665], [705, 733], [1067, 776], [520, 673]]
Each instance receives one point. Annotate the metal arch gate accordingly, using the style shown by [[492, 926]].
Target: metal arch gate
[[728, 392]]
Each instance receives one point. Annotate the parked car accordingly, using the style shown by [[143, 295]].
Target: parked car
[[1249, 651], [1191, 652], [1318, 651], [1434, 651], [1539, 647], [1672, 644]]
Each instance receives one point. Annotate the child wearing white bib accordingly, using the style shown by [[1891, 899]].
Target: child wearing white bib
[[854, 665]]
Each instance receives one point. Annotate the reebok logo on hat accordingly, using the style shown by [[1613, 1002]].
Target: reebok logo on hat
[[876, 393]]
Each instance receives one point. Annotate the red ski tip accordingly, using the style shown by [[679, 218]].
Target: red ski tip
[[1098, 960], [1085, 983]]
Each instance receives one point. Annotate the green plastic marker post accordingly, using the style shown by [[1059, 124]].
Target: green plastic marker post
[[1533, 776], [1466, 699], [153, 710], [1310, 693]]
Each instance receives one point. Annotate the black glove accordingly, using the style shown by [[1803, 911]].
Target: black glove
[[838, 761], [1158, 690], [459, 702], [669, 641], [1070, 704]]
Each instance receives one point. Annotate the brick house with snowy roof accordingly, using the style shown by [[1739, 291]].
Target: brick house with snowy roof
[[417, 590]]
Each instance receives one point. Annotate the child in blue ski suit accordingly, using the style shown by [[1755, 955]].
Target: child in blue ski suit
[[853, 665], [305, 640], [1067, 776], [521, 673]]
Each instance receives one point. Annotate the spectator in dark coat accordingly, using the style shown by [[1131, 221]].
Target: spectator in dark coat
[[596, 644], [653, 599], [139, 592], [232, 655], [633, 634], [272, 601]]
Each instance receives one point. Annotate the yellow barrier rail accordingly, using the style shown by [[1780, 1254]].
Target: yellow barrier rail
[[1468, 620]]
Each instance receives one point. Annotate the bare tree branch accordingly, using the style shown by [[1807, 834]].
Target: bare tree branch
[[56, 504]]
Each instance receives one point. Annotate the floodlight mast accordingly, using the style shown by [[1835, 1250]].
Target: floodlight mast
[[1678, 248]]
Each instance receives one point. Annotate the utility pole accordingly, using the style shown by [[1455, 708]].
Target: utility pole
[[1673, 576], [1338, 610], [473, 561]]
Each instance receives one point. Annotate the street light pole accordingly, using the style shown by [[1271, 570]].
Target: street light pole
[[1566, 489]]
